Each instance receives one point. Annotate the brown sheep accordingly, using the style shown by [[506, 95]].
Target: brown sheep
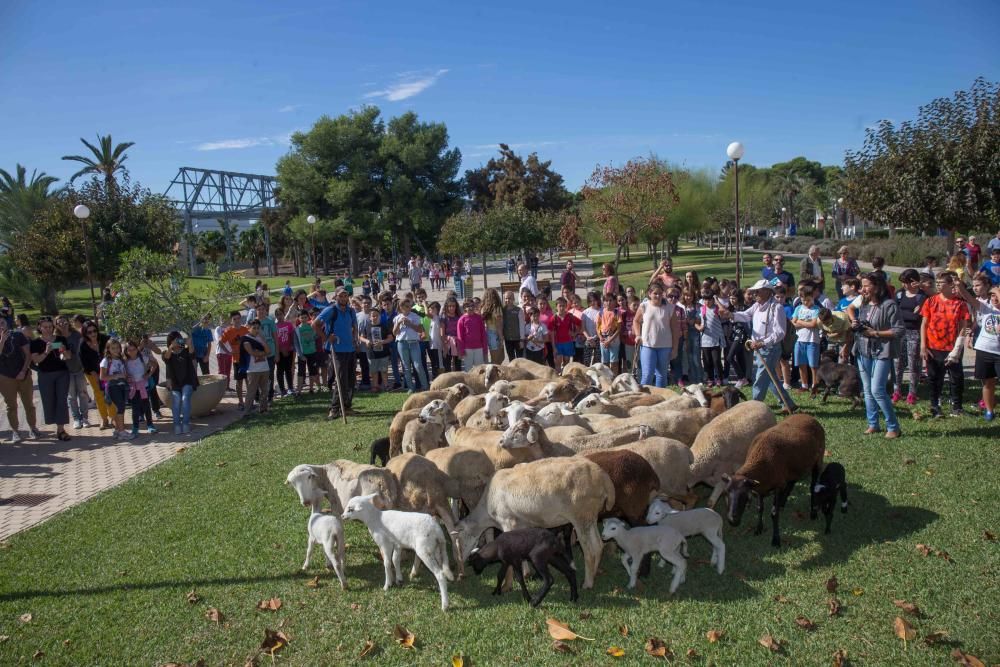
[[635, 482], [536, 370], [475, 382], [397, 428], [778, 458], [469, 467]]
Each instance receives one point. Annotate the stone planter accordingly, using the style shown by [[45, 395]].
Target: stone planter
[[206, 397]]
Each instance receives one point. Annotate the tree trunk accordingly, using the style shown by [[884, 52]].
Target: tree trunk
[[352, 256], [618, 255], [406, 247], [484, 272], [49, 305]]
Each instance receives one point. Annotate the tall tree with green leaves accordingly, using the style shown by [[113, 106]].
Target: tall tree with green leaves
[[105, 160], [20, 199]]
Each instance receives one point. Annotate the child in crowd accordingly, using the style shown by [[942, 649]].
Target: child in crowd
[[692, 370], [375, 336], [223, 352], [535, 337], [909, 298], [115, 378], [514, 323], [407, 330], [609, 333], [851, 288], [284, 338], [628, 316], [287, 291], [588, 321], [137, 373], [253, 360], [449, 330], [305, 351], [436, 342], [545, 316], [806, 323], [231, 339], [709, 325], [473, 345], [565, 327]]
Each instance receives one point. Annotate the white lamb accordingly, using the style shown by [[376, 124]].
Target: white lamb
[[514, 412], [637, 542], [701, 521], [327, 531], [394, 531]]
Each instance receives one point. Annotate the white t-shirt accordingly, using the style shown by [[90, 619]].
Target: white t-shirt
[[537, 334], [405, 332], [989, 334], [806, 314], [712, 335], [114, 366], [589, 321], [135, 368]]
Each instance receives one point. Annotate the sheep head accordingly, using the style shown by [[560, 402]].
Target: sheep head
[[624, 383], [502, 387], [603, 371], [515, 412], [698, 391], [591, 403], [553, 414], [361, 507], [457, 392], [495, 403], [658, 509], [612, 528], [437, 412], [738, 489], [522, 433], [304, 479]]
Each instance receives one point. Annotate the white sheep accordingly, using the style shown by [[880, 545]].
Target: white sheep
[[625, 382], [514, 412], [637, 542], [327, 531], [597, 404], [394, 531], [701, 521], [560, 414], [339, 481], [426, 432]]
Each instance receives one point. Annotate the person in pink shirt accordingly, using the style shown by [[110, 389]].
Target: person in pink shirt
[[285, 339], [545, 316], [472, 344]]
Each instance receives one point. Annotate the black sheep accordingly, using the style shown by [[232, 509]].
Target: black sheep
[[832, 482], [538, 546], [843, 376], [584, 394], [380, 449]]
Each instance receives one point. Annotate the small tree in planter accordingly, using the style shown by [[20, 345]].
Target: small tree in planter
[[154, 296]]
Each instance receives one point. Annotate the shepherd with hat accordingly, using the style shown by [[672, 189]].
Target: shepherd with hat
[[767, 321]]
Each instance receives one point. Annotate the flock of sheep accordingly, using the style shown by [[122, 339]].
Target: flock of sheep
[[543, 457]]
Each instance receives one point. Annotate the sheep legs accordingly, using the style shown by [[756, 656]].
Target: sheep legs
[[717, 490], [676, 559], [444, 513], [780, 497], [592, 547], [718, 550], [559, 562], [812, 492], [336, 560], [309, 550]]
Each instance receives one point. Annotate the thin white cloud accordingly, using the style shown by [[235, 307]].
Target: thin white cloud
[[409, 85], [234, 144], [288, 108]]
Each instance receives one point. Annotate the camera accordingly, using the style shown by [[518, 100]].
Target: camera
[[861, 325]]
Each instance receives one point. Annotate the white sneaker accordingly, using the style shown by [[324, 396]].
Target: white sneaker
[[77, 424], [31, 435], [15, 437], [787, 386], [85, 423], [125, 435]]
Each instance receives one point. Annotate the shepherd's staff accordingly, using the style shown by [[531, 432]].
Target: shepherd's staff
[[336, 379], [760, 357]]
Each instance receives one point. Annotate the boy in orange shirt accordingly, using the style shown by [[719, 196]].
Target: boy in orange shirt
[[609, 332], [231, 337]]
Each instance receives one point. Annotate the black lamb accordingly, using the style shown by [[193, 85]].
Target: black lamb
[[844, 377], [832, 482], [538, 546], [380, 449]]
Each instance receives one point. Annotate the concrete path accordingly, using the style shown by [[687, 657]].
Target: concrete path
[[41, 478]]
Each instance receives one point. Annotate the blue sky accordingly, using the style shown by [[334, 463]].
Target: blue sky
[[222, 84]]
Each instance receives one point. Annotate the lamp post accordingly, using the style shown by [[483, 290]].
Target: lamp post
[[783, 209], [312, 243], [82, 213], [735, 152]]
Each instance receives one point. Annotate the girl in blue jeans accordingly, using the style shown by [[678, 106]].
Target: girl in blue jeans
[[182, 379], [655, 327], [407, 330]]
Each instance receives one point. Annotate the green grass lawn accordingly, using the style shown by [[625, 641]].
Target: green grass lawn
[[106, 582]]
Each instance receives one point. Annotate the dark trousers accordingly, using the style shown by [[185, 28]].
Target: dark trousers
[[451, 363], [711, 359], [736, 359], [271, 364], [937, 366], [345, 368], [141, 409], [425, 349], [435, 359], [285, 383], [203, 365], [535, 355], [366, 377], [513, 349]]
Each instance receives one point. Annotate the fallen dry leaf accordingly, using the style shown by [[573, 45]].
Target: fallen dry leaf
[[314, 582], [770, 643], [657, 648], [367, 649], [192, 597], [38, 655], [274, 641], [560, 646], [558, 630], [181, 450], [840, 658], [615, 651], [25, 618], [4, 638], [457, 661], [924, 549], [833, 606], [585, 615], [831, 584], [167, 484], [858, 591], [214, 615], [903, 629], [827, 452], [966, 659], [355, 606], [804, 623], [908, 607], [782, 599], [67, 642], [220, 464], [989, 537], [945, 555], [274, 604], [403, 636], [936, 637], [623, 629], [714, 635]]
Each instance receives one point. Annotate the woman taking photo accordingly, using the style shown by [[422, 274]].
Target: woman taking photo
[[182, 379], [49, 353], [876, 345], [15, 380], [655, 328], [91, 353]]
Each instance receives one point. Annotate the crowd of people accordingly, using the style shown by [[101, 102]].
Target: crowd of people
[[681, 329]]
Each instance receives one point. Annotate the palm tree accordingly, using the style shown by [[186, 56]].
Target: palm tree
[[107, 160], [20, 199]]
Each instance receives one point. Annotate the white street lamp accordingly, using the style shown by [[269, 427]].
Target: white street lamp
[[311, 219], [735, 152], [82, 212]]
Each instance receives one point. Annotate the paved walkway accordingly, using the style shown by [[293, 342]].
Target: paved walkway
[[41, 478]]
